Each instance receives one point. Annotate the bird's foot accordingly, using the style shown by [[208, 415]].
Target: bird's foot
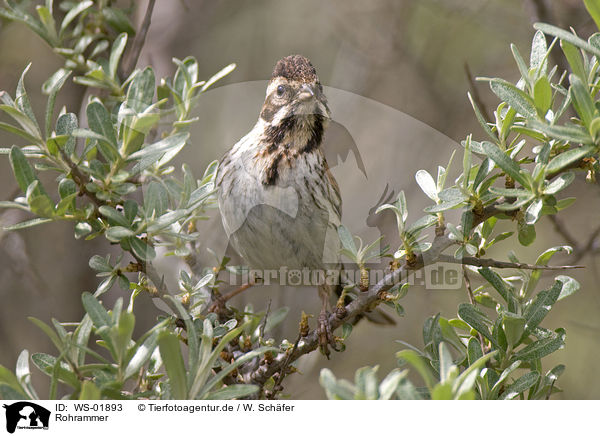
[[326, 338]]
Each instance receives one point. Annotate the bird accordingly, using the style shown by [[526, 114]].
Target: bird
[[280, 204]]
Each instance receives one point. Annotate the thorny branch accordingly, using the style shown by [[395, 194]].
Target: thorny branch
[[259, 372], [491, 263]]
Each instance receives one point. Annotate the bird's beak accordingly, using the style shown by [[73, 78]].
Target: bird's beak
[[306, 92]]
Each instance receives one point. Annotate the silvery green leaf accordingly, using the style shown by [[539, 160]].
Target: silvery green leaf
[[427, 184]]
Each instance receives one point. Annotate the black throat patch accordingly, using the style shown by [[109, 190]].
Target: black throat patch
[[280, 142]]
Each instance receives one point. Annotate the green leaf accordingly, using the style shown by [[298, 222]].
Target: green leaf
[[467, 163], [159, 152], [485, 168], [122, 334], [52, 86], [336, 390], [446, 363], [526, 233], [390, 384], [513, 326], [113, 215], [510, 192], [593, 8], [118, 46], [473, 350], [118, 20], [100, 264], [185, 76], [446, 205], [49, 332], [516, 98], [233, 392], [520, 62], [165, 220], [582, 101], [509, 166], [441, 392], [156, 199], [142, 355], [22, 102], [8, 393], [416, 227], [347, 240], [49, 365], [542, 95], [23, 373], [82, 229], [539, 49], [365, 380], [574, 59], [141, 90], [28, 223], [568, 157], [47, 20], [81, 337], [73, 13], [115, 234], [541, 305], [89, 391], [464, 382], [141, 249], [573, 134], [542, 348], [482, 120], [16, 131], [170, 353], [39, 202], [427, 184], [476, 319], [532, 213], [23, 171], [503, 288], [520, 385], [8, 378], [98, 314], [24, 121], [100, 122], [560, 183], [567, 36], [419, 363], [218, 76], [65, 125], [513, 366], [229, 368], [569, 286]]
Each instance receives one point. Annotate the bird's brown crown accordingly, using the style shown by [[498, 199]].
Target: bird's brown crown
[[296, 67]]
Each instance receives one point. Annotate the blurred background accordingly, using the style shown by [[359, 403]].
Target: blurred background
[[396, 73]]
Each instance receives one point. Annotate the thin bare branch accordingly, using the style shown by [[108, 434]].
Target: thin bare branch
[[491, 263], [562, 230], [138, 43], [221, 300]]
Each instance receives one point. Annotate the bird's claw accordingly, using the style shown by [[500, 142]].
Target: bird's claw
[[325, 334]]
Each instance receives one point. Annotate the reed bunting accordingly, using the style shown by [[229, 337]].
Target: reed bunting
[[279, 202]]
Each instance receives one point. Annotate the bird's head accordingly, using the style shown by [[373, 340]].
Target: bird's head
[[294, 91]]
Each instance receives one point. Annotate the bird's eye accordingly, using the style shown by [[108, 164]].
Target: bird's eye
[[280, 90]]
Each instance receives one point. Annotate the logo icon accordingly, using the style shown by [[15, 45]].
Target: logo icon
[[26, 415]]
